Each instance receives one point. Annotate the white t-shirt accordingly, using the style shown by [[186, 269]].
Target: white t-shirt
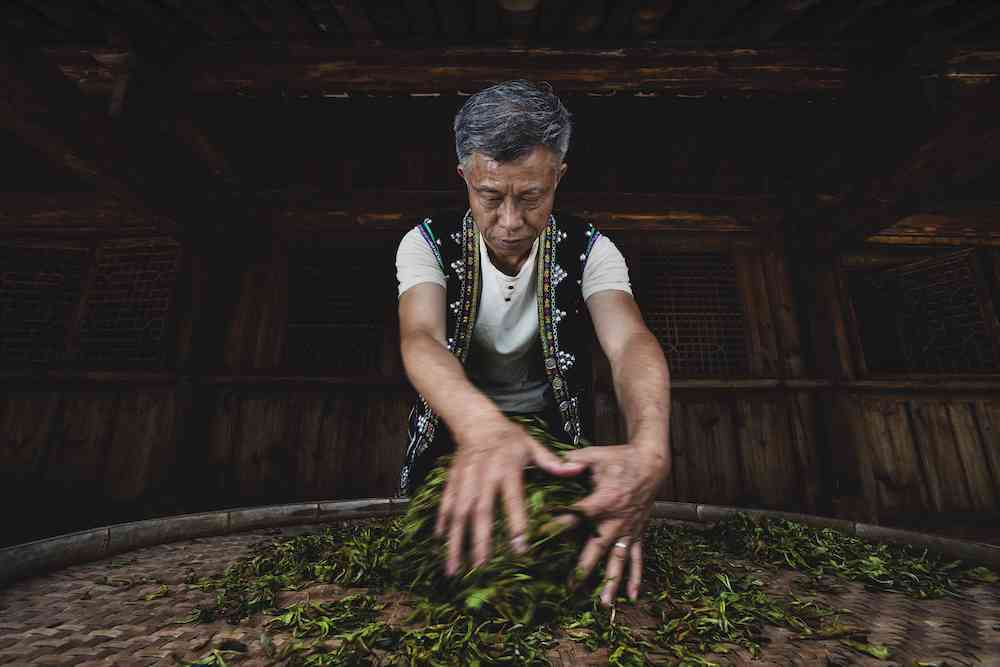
[[505, 359]]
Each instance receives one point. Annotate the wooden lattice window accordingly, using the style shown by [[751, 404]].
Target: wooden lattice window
[[128, 306], [337, 314], [928, 316], [39, 291], [691, 303]]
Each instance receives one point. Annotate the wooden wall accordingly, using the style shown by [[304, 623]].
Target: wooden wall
[[225, 419]]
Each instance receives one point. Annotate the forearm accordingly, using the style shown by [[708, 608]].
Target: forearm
[[642, 387], [441, 380]]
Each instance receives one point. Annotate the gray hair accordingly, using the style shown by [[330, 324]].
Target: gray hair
[[507, 120]]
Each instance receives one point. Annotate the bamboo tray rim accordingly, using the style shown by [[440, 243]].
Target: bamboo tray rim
[[53, 553]]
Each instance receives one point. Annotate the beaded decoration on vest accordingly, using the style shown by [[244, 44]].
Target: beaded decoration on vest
[[552, 295]]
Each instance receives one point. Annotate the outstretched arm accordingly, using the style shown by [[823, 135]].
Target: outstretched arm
[[627, 476], [492, 451]]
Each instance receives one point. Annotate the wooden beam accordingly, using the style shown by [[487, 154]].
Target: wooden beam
[[959, 152], [315, 69], [27, 216], [318, 70]]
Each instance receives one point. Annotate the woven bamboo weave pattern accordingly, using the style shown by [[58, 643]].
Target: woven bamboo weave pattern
[[97, 614]]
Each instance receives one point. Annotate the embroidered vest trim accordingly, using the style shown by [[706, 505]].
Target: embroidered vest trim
[[560, 345]]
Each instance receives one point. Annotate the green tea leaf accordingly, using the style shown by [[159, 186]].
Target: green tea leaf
[[874, 650]]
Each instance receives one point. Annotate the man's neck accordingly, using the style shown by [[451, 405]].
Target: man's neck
[[505, 267]]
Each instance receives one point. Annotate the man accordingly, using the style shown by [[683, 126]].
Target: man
[[492, 324]]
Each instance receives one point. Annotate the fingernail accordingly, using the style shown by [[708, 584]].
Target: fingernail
[[519, 544]]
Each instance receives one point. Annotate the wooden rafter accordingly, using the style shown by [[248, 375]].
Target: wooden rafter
[[315, 69], [964, 148]]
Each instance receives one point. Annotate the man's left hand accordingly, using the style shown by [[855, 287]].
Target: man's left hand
[[626, 480]]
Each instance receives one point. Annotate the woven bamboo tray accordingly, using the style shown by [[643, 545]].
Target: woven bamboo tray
[[95, 613]]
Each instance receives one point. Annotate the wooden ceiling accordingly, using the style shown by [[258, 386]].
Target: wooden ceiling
[[168, 23], [853, 114]]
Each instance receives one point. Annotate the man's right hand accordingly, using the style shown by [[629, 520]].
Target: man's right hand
[[489, 461]]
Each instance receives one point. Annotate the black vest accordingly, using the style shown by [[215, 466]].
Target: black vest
[[563, 321]]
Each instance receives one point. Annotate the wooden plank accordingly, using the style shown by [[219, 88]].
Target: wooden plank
[[668, 487], [719, 471], [942, 467], [780, 296], [305, 418], [261, 456], [852, 461], [890, 503], [142, 445], [332, 461], [78, 450], [908, 476], [220, 458], [764, 315], [982, 492], [987, 414], [852, 327], [682, 487], [768, 474], [760, 364], [384, 440], [26, 419], [316, 69], [802, 429]]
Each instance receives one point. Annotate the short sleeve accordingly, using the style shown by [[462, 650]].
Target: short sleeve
[[605, 269], [416, 262]]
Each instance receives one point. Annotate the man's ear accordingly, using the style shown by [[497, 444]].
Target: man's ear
[[461, 172], [562, 171]]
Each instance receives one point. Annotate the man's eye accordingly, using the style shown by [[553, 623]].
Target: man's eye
[[492, 201]]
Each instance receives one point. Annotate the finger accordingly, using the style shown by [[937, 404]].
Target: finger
[[517, 517], [635, 570], [444, 511], [482, 526], [586, 455], [613, 573], [595, 548], [553, 464], [456, 535]]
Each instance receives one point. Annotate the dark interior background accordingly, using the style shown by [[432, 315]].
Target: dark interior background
[[201, 203]]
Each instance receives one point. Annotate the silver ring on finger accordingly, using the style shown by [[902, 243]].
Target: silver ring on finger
[[621, 544]]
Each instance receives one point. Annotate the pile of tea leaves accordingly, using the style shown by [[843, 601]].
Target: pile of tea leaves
[[705, 588]]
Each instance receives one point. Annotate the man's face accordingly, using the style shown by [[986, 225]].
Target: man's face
[[511, 201]]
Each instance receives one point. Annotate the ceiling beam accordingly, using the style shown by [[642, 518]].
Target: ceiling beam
[[961, 150], [319, 69], [135, 158]]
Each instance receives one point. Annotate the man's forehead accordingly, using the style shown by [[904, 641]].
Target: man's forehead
[[525, 172]]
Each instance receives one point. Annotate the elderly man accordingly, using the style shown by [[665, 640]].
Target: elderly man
[[492, 324]]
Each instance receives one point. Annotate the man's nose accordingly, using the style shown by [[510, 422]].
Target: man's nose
[[510, 216]]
